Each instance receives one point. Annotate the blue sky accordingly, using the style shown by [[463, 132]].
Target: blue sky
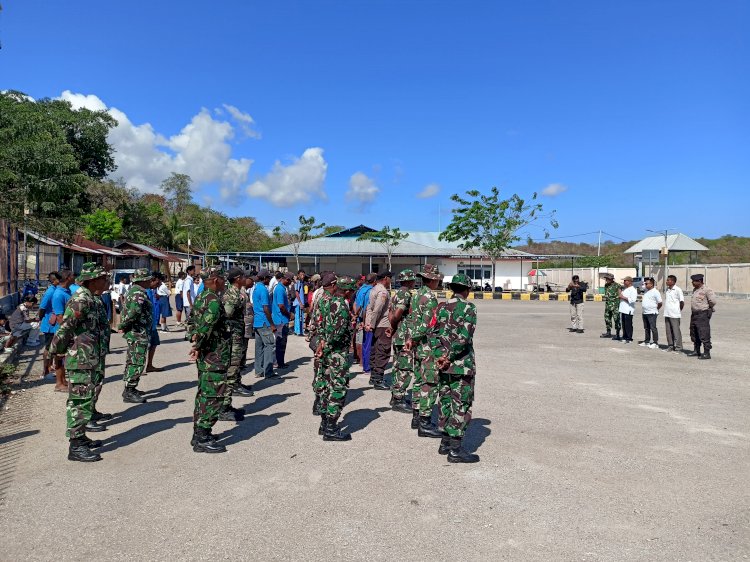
[[636, 113]]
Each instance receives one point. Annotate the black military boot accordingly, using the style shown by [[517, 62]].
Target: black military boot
[[458, 454], [316, 406], [79, 451], [415, 419], [227, 413], [205, 442], [243, 390], [98, 416], [400, 405], [445, 443], [334, 433], [132, 396], [426, 429], [617, 336], [706, 354], [91, 443], [380, 384], [696, 352], [323, 423], [607, 334], [94, 427]]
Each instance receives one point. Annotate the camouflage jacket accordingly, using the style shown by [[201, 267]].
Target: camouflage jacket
[[423, 305], [104, 331], [234, 300], [335, 323], [321, 305], [401, 301], [210, 333], [78, 334], [453, 335], [138, 314], [612, 293]]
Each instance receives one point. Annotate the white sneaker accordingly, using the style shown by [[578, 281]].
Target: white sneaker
[[643, 344], [653, 346]]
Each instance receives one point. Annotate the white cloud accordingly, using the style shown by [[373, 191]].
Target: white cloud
[[298, 182], [201, 149], [245, 121], [554, 189], [362, 190], [429, 191]]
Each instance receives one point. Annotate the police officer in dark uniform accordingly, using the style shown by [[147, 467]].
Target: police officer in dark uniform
[[701, 309]]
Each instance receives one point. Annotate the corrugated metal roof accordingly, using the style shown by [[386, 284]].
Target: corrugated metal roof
[[675, 242]]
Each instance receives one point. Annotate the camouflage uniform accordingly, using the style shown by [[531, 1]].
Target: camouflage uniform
[[335, 332], [136, 324], [612, 306], [322, 305], [234, 301], [421, 321], [104, 337], [78, 337], [403, 361], [453, 338], [210, 333]]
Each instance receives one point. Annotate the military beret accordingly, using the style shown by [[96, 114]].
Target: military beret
[[328, 279], [234, 273], [697, 277], [346, 283]]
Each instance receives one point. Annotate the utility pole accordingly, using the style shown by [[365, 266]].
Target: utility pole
[[665, 232], [190, 262], [599, 246]]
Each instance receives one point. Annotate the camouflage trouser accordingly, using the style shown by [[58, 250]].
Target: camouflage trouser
[[80, 404], [245, 342], [456, 395], [135, 360], [612, 311], [425, 379], [336, 371], [403, 367], [209, 399], [98, 381], [319, 378], [235, 365]]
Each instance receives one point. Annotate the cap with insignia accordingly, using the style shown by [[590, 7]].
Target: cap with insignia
[[346, 283], [697, 277], [460, 280], [430, 271], [141, 274], [89, 271]]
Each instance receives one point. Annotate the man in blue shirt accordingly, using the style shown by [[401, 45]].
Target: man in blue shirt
[[45, 310], [364, 339], [60, 299], [154, 339], [280, 315], [263, 327]]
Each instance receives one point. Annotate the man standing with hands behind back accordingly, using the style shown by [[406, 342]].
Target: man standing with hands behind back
[[265, 342], [378, 323], [701, 309], [628, 297]]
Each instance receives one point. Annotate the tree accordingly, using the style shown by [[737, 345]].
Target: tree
[[304, 232], [48, 152], [102, 225], [388, 238], [178, 191], [491, 224]]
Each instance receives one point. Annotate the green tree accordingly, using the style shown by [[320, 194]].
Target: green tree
[[48, 153], [388, 238], [102, 225], [492, 224], [303, 233], [178, 192]]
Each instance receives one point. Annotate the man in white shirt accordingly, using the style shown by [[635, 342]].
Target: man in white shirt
[[674, 302], [188, 292], [651, 304], [178, 303], [274, 281], [628, 298]]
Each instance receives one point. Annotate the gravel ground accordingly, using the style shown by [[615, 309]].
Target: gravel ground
[[591, 450]]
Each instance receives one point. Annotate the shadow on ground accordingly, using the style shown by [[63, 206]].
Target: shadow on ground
[[137, 433], [140, 410], [357, 420], [249, 428], [476, 434]]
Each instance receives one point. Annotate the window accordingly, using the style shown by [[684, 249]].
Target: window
[[477, 273]]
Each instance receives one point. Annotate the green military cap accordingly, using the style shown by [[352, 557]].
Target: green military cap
[[346, 283], [461, 280], [141, 274], [89, 271], [214, 271], [430, 271], [407, 275]]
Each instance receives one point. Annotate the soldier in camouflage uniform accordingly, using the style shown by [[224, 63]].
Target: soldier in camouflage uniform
[[211, 337], [78, 340], [333, 350], [452, 343], [611, 306], [421, 322], [135, 324], [104, 337], [319, 306], [234, 300], [403, 361]]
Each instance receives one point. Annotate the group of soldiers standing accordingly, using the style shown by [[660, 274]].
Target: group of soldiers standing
[[432, 346]]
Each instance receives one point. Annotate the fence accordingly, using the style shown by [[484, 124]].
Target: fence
[[8, 259]]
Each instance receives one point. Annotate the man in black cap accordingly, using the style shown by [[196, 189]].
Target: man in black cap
[[701, 309], [378, 324]]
